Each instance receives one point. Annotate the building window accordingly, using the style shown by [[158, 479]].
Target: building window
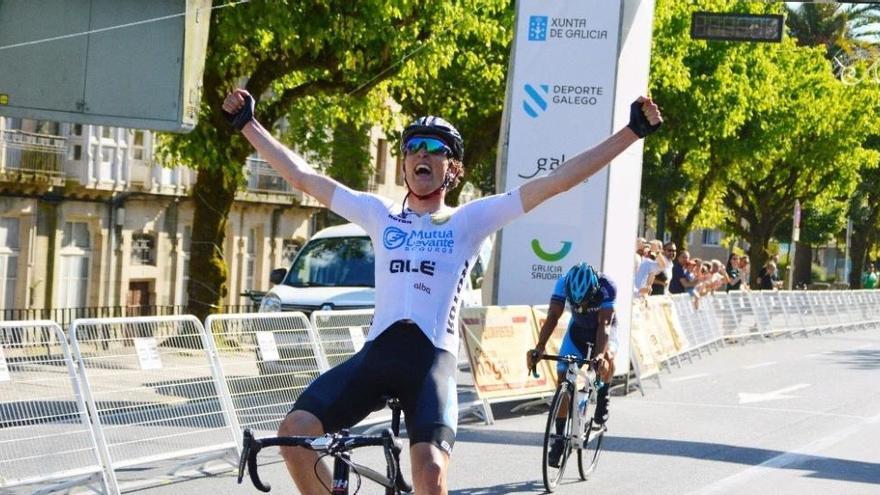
[[381, 160], [107, 155], [250, 259], [398, 172], [77, 129], [289, 248], [75, 235], [711, 237], [137, 146], [9, 248], [143, 249], [77, 152], [75, 257], [184, 279], [106, 132]]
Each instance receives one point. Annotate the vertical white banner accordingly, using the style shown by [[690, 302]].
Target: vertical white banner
[[561, 102]]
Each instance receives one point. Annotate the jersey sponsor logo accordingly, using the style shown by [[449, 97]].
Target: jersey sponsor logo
[[551, 257], [398, 218], [393, 238], [438, 241], [456, 302], [422, 287], [403, 266]]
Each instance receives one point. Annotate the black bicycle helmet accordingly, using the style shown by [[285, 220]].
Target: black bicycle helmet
[[430, 125]]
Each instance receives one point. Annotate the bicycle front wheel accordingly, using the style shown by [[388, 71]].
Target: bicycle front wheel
[[588, 456], [553, 473]]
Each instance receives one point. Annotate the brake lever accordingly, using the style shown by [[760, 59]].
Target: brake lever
[[250, 448]]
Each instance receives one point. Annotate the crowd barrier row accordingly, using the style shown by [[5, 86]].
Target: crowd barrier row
[[125, 393]]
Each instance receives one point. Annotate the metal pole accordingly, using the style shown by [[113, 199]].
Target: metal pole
[[846, 260]]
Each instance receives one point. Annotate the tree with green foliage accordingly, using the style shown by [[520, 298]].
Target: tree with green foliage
[[469, 93], [806, 145], [837, 27], [848, 33], [708, 91], [320, 71]]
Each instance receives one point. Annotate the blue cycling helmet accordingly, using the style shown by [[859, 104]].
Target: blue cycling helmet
[[581, 284]]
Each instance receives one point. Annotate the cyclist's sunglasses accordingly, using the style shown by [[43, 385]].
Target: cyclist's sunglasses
[[431, 145]]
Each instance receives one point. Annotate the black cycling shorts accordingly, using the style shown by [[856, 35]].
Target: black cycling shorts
[[401, 362]]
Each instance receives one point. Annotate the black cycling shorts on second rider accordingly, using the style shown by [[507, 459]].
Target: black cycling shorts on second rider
[[401, 362]]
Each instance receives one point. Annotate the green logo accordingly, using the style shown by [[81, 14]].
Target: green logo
[[544, 255]]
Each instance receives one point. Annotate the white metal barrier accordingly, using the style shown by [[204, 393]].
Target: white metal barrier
[[341, 333], [45, 436], [266, 360], [151, 388]]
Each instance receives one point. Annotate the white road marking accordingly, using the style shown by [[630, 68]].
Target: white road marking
[[794, 457], [747, 397], [759, 365], [688, 377], [784, 410]]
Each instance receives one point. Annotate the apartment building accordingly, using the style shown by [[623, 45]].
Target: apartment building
[[89, 218]]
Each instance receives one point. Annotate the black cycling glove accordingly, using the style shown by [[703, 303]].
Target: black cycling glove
[[638, 122], [244, 115]]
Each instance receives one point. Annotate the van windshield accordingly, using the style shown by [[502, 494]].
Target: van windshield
[[334, 262]]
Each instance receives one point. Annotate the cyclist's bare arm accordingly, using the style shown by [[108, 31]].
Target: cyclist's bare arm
[[584, 165], [602, 331], [553, 313], [575, 170], [292, 167]]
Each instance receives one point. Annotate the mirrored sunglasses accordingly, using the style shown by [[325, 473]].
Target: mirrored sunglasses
[[431, 145]]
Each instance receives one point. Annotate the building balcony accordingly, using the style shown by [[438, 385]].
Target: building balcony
[[262, 178], [29, 155]]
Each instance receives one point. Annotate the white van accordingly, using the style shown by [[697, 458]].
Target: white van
[[335, 270]]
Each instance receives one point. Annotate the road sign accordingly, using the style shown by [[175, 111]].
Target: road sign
[[124, 63], [737, 27]]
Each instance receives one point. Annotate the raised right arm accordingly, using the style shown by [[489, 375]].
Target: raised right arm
[[292, 167]]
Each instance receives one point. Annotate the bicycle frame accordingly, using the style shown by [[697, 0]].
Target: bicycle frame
[[579, 420], [338, 445]]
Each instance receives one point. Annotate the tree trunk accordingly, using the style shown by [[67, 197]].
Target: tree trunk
[[803, 264], [759, 239], [213, 194]]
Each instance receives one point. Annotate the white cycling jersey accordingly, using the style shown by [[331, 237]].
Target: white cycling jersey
[[422, 261]]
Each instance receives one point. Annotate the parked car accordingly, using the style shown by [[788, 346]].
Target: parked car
[[335, 270]]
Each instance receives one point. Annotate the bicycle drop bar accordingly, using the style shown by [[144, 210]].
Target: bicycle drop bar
[[565, 359], [331, 444]]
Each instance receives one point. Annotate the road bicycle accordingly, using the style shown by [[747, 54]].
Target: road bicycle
[[579, 433], [338, 445]]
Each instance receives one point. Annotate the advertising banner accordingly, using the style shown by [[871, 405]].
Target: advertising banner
[[561, 102], [497, 339]]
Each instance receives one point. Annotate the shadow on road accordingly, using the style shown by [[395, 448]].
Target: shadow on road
[[820, 467], [859, 359]]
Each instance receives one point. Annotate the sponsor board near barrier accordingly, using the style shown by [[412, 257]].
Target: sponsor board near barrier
[[645, 360], [497, 339], [661, 329], [555, 340]]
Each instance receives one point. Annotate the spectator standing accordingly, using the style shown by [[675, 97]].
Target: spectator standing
[[661, 280], [770, 278], [745, 273], [733, 271], [870, 280], [682, 279], [652, 264]]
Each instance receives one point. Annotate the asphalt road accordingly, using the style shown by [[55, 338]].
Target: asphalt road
[[787, 416]]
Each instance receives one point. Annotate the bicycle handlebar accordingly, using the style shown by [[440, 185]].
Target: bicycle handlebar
[[569, 359], [332, 444]]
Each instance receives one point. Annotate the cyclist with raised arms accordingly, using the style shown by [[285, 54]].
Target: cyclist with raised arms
[[591, 297], [423, 252]]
